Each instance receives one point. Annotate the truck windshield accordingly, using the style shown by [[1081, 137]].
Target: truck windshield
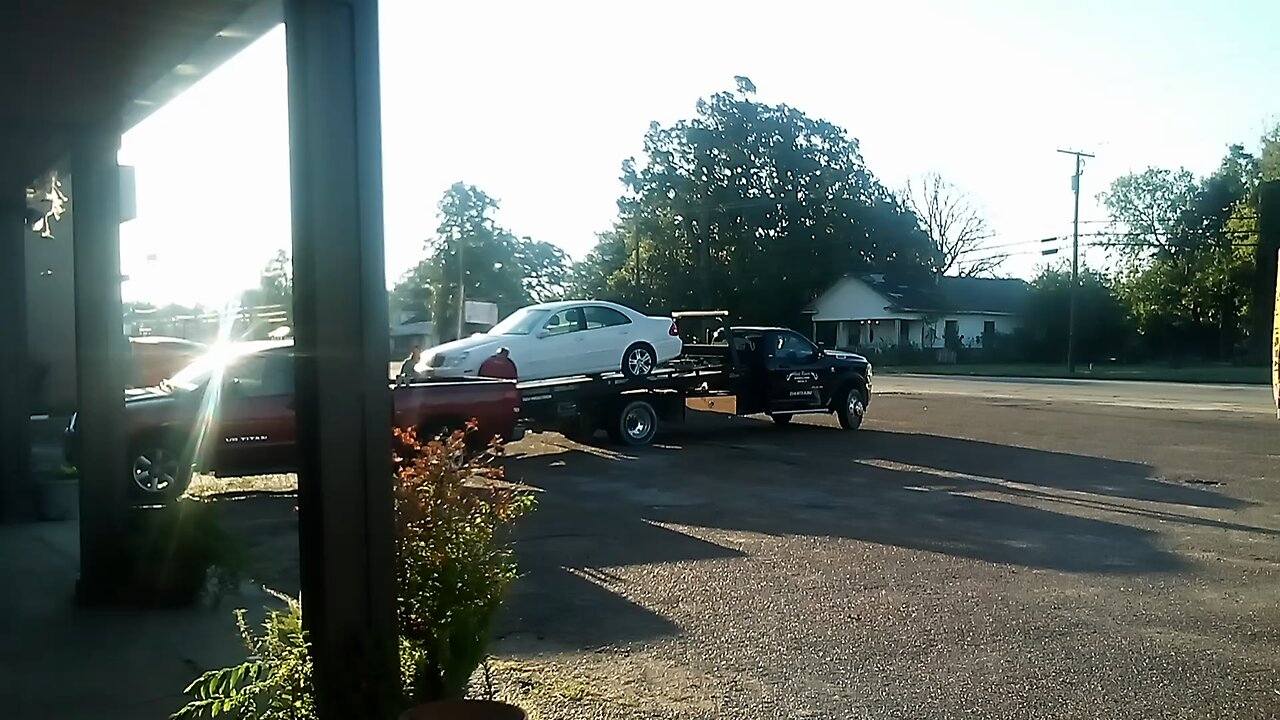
[[195, 374], [520, 322]]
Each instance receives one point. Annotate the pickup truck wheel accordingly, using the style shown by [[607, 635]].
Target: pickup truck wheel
[[635, 424], [638, 361], [159, 473], [781, 419], [852, 407]]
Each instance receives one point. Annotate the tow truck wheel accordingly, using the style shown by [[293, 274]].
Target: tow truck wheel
[[635, 424], [158, 472], [780, 419], [852, 407]]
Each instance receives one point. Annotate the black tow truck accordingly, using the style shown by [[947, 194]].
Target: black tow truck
[[767, 370]]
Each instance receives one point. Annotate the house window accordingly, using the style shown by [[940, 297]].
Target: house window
[[988, 328]]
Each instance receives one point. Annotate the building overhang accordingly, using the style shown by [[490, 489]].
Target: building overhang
[[75, 66]]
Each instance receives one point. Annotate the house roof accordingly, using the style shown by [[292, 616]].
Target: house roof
[[947, 294]]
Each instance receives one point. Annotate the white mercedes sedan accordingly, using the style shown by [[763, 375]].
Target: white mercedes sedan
[[558, 339]]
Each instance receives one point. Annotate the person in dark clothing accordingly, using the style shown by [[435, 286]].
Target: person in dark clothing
[[408, 368], [499, 365]]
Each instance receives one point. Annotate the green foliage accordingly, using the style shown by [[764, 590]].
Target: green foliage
[[275, 283], [412, 292], [453, 512], [1103, 328], [274, 683], [174, 551], [498, 266], [750, 206], [1187, 257]]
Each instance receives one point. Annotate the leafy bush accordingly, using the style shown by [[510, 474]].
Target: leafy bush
[[274, 683], [455, 560], [173, 552], [453, 511]]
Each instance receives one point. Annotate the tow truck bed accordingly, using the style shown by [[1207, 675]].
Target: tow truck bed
[[630, 409]]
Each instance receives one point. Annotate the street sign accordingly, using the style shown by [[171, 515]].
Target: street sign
[[480, 313]]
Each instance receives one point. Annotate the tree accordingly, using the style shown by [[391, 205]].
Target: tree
[[492, 264], [1103, 327], [1186, 257], [749, 206], [412, 292], [275, 284], [953, 225]]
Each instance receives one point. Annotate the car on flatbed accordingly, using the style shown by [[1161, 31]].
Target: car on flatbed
[[563, 338], [773, 371], [231, 412]]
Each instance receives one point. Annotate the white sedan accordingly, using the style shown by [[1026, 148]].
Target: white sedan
[[573, 337]]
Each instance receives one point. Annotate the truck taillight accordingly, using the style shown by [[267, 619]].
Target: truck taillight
[[675, 329]]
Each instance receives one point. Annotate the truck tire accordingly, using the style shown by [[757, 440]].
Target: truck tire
[[159, 474], [851, 408], [635, 423]]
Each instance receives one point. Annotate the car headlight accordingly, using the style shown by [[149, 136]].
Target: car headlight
[[456, 360], [869, 373]]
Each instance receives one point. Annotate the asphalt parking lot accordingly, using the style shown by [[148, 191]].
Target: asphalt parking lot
[[968, 553], [959, 556]]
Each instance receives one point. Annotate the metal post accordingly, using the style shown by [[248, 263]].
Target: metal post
[[100, 361], [1075, 259], [15, 418], [346, 531]]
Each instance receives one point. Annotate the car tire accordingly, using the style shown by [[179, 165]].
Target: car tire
[[851, 408], [781, 420], [159, 474], [635, 424], [639, 361]]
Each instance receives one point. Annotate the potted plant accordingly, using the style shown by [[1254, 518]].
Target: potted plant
[[454, 510]]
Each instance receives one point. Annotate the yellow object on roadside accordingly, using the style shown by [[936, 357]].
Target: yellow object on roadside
[[1275, 343]]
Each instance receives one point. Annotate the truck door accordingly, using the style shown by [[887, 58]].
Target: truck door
[[795, 375], [255, 415]]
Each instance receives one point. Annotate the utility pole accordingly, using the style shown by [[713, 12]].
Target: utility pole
[[1075, 258], [462, 283]]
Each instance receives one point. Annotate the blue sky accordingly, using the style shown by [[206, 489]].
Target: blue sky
[[538, 104]]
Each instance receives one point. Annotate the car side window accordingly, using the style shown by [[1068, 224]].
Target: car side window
[[791, 346], [246, 375], [262, 375], [566, 321], [277, 377], [600, 317]]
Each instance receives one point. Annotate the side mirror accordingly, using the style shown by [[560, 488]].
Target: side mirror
[[542, 333]]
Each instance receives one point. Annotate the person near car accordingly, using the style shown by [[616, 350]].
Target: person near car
[[499, 365], [407, 368]]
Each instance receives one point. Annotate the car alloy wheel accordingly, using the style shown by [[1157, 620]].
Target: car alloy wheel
[[155, 471], [640, 361]]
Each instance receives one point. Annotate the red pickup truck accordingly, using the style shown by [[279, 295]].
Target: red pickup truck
[[242, 397]]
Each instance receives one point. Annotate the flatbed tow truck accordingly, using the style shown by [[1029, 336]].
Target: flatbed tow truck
[[767, 370]]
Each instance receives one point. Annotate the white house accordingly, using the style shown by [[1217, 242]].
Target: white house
[[874, 311]]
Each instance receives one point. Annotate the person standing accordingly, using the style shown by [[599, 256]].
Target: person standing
[[408, 368]]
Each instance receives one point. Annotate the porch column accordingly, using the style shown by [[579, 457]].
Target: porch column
[[340, 325], [16, 501], [100, 359]]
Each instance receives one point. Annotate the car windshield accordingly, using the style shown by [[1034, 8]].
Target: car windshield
[[520, 322]]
